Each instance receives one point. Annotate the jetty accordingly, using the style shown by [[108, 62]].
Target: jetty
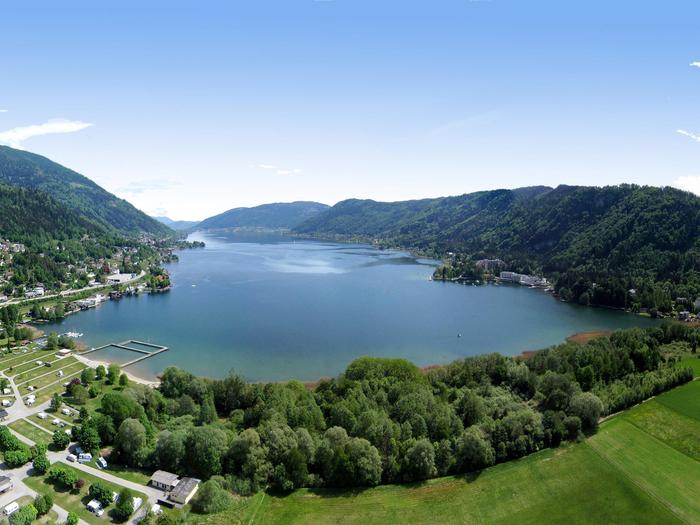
[[154, 350]]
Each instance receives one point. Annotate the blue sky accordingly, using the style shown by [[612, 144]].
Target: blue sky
[[191, 108]]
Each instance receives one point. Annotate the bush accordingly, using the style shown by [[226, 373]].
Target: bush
[[62, 476], [211, 498], [17, 458], [43, 504], [572, 424], [72, 519]]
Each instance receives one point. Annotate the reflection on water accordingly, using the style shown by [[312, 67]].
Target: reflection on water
[[275, 308]]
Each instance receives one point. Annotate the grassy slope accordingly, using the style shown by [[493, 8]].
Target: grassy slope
[[640, 468]]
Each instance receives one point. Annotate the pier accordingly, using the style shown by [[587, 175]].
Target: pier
[[125, 345]]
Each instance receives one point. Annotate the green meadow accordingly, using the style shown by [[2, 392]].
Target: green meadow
[[641, 467]]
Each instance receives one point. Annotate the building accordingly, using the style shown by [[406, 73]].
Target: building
[[184, 491], [163, 480], [5, 484]]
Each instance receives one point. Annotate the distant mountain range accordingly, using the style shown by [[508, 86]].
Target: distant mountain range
[[596, 243], [269, 216], [176, 225], [76, 192]]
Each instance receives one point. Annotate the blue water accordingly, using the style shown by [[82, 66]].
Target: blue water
[[272, 309]]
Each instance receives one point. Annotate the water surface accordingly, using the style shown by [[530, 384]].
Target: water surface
[[272, 308]]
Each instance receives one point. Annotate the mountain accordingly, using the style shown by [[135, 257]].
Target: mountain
[[28, 170], [176, 225], [271, 216], [596, 243]]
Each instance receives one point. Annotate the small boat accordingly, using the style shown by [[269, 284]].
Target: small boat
[[459, 335]]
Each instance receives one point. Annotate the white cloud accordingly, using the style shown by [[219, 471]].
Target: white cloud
[[140, 187], [689, 183], [279, 170], [3, 111], [695, 64], [15, 136], [688, 134]]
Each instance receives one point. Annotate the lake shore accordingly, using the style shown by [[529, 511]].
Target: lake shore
[[94, 363]]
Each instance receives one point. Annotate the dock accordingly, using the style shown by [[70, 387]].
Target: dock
[[125, 345]]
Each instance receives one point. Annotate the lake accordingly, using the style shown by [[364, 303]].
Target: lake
[[272, 308]]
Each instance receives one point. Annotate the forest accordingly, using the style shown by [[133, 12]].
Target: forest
[[381, 421], [624, 246]]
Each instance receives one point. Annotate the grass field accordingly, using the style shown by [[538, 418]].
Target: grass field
[[28, 376], [694, 363], [46, 423], [26, 366], [641, 467], [25, 428], [71, 501]]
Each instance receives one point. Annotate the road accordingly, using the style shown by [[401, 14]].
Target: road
[[17, 411]]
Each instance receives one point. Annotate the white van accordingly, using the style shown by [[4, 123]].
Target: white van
[[12, 507], [72, 458]]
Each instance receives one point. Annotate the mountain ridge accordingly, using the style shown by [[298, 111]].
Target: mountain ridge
[[276, 215]]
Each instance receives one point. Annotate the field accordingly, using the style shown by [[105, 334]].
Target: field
[[641, 467], [75, 502], [25, 428]]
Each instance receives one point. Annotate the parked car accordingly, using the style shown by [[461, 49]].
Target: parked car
[[84, 458], [72, 457]]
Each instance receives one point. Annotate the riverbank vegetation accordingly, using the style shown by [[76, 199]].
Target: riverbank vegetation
[[383, 420]]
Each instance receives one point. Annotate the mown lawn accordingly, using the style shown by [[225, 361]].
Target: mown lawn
[[75, 502], [640, 467], [25, 428], [31, 365], [28, 376]]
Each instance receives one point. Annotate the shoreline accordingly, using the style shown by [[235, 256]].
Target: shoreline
[[94, 363]]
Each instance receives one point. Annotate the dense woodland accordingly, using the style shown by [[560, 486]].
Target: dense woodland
[[76, 192], [381, 421], [595, 244]]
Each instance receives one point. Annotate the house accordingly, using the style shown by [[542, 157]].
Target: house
[[163, 480], [5, 484], [184, 491]]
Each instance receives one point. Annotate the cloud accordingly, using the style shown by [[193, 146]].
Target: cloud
[[15, 136], [695, 64], [3, 111], [279, 170], [688, 134], [140, 187], [688, 183]]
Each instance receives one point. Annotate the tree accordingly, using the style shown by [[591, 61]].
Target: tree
[[588, 408], [17, 458], [43, 504], [52, 342], [125, 505], [473, 452], [23, 516], [87, 376], [101, 493], [60, 440], [113, 372], [365, 462], [211, 498], [130, 441], [123, 380], [41, 464], [100, 372], [420, 461], [170, 449], [88, 438], [572, 424], [62, 476], [80, 394], [207, 412], [471, 408], [205, 448], [72, 519], [56, 402]]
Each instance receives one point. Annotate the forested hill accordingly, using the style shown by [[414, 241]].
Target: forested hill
[[176, 225], [28, 170], [596, 243], [281, 215], [30, 216]]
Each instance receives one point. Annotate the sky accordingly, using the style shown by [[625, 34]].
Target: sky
[[187, 109]]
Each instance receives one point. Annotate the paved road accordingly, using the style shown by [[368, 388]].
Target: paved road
[[19, 411]]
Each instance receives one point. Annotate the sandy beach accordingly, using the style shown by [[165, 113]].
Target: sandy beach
[[94, 363]]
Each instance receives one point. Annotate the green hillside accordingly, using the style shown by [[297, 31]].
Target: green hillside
[[642, 467], [595, 243], [281, 215], [28, 170]]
